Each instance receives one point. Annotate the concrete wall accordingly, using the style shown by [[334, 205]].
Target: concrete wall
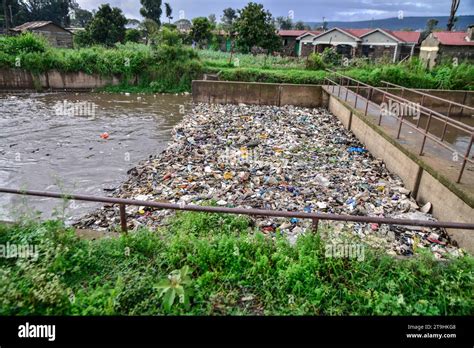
[[416, 175], [226, 92], [462, 97], [427, 184], [18, 79]]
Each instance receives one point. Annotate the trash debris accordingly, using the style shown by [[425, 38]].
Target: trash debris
[[280, 158], [104, 135]]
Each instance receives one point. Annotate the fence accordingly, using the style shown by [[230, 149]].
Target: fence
[[347, 82], [315, 217]]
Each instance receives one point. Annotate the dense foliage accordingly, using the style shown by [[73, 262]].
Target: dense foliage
[[222, 267]]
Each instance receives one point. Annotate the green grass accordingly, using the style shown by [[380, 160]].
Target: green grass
[[234, 271]]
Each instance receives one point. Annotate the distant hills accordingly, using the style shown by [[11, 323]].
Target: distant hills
[[415, 23]]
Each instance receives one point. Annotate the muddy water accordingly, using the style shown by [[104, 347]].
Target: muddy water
[[53, 142]]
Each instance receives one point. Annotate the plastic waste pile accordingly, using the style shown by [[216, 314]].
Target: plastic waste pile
[[282, 158]]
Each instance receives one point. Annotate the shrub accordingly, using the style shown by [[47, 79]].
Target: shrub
[[315, 62]]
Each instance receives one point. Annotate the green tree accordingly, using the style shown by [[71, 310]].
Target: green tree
[[168, 12], [133, 35], [213, 20], [108, 26], [201, 31], [300, 25], [431, 24], [255, 28], [284, 23], [151, 9], [79, 17]]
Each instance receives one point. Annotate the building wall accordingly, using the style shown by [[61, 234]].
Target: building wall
[[335, 38], [56, 36], [288, 45]]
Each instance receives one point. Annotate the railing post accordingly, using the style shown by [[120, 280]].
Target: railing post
[[367, 104], [357, 94], [315, 225], [347, 89], [426, 132], [446, 122], [380, 117], [466, 156], [123, 218]]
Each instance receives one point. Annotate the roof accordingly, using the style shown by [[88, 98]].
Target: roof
[[296, 33], [406, 36], [35, 25], [452, 38], [402, 36], [345, 31]]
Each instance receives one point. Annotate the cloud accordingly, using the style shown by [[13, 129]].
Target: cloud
[[306, 10]]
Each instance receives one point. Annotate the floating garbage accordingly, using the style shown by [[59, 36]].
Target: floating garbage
[[104, 135], [280, 158]]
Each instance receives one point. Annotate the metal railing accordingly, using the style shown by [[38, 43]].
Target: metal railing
[[424, 96], [346, 83], [315, 217]]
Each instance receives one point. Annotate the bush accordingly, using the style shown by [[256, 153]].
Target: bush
[[315, 62], [133, 35], [330, 57], [228, 261], [23, 43]]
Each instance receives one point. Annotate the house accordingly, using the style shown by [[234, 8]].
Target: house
[[55, 34], [183, 25], [371, 43], [291, 41], [448, 45]]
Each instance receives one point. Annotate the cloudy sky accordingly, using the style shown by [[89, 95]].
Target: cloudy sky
[[306, 10]]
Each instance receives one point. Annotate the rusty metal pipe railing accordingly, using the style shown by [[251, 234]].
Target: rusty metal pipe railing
[[413, 90], [430, 114], [315, 217]]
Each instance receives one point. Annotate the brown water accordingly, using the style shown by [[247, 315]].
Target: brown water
[[44, 147]]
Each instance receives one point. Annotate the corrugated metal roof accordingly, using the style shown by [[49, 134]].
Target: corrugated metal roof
[[35, 25], [296, 33], [450, 38]]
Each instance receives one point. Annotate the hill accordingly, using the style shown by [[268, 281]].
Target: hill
[[415, 23]]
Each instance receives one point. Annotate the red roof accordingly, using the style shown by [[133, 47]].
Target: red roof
[[406, 36], [451, 38], [357, 32], [296, 33]]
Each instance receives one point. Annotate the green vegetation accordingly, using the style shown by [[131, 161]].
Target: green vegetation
[[220, 266], [167, 67], [170, 66]]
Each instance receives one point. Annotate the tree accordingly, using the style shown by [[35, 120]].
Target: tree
[[80, 17], [212, 20], [300, 25], [228, 18], [431, 24], [452, 15], [284, 23], [151, 9], [201, 31], [255, 28], [133, 35], [56, 11], [168, 12], [108, 26]]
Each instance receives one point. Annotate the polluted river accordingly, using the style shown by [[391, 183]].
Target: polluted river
[[77, 143], [162, 148]]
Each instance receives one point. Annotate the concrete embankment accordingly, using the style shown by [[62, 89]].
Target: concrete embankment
[[22, 80], [424, 176]]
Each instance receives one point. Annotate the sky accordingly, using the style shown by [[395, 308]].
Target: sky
[[305, 10]]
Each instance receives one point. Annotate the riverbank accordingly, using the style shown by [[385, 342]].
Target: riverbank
[[283, 158], [232, 269]]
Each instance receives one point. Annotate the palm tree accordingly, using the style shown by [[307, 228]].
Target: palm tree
[[452, 15], [168, 11]]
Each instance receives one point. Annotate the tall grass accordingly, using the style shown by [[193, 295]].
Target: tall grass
[[234, 271]]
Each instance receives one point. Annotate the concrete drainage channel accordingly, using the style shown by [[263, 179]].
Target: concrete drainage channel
[[450, 201]]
